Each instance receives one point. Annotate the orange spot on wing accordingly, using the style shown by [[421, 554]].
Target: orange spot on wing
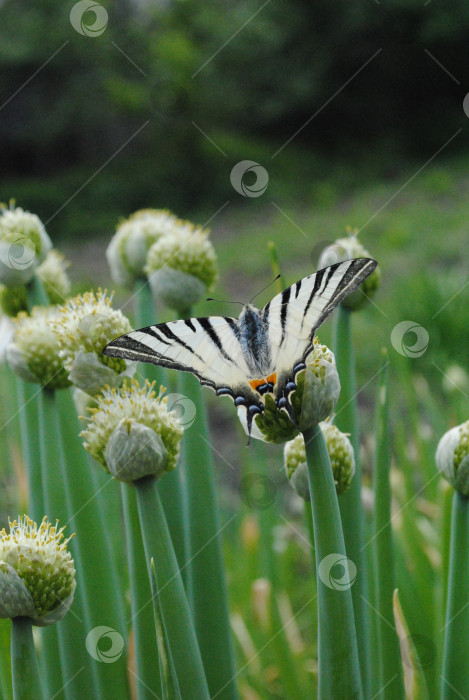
[[254, 383], [271, 379]]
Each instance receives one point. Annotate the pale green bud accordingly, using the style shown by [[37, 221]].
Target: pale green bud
[[349, 248], [452, 457], [134, 451], [187, 251], [127, 251], [24, 244], [34, 351], [37, 575], [341, 455], [132, 433], [53, 274], [318, 390], [84, 326]]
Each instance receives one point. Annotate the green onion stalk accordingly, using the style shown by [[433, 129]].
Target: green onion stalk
[[24, 665], [390, 668], [207, 590], [455, 674], [351, 509], [175, 612], [69, 493], [339, 669]]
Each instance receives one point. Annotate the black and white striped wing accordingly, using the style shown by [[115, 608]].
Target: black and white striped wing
[[294, 315], [207, 347]]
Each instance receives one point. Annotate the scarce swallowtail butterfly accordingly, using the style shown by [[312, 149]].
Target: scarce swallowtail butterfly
[[261, 351]]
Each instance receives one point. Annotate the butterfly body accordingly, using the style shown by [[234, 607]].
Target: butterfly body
[[258, 353]]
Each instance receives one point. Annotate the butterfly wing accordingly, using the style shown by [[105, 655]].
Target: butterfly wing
[[207, 347], [294, 315]]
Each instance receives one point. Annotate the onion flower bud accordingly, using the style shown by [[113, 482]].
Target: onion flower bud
[[37, 575], [132, 434]]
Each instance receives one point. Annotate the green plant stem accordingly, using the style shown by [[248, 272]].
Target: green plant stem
[[350, 504], [390, 667], [169, 687], [6, 690], [146, 653], [339, 670], [24, 666], [455, 676], [172, 597], [71, 496], [207, 591]]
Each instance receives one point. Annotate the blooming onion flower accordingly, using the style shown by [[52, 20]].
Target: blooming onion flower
[[452, 457], [24, 244], [127, 252], [37, 576], [182, 266], [34, 350], [341, 455], [84, 326], [317, 392], [346, 249], [132, 433]]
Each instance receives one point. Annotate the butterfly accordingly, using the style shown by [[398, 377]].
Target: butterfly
[[258, 353]]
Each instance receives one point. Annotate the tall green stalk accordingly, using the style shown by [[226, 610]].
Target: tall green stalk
[[71, 496], [455, 675], [146, 653], [6, 690], [350, 504], [24, 666], [390, 667], [206, 582], [174, 607], [339, 670]]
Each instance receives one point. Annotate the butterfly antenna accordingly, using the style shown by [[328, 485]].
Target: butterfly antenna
[[224, 301], [264, 288]]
